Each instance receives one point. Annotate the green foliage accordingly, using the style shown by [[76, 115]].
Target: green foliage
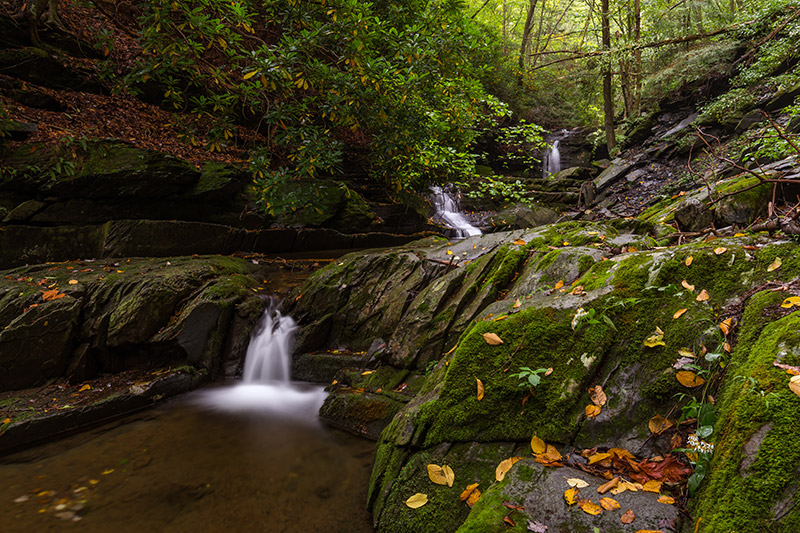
[[528, 377]]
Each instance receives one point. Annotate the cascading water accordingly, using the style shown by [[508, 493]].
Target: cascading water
[[552, 160], [266, 385], [447, 210]]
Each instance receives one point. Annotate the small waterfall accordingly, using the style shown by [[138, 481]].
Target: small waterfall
[[447, 210], [268, 355], [552, 160]]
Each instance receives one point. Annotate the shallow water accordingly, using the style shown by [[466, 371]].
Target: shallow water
[[200, 463]]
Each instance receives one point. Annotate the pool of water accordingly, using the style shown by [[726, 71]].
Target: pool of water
[[202, 462]]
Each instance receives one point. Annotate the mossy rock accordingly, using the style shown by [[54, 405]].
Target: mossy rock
[[328, 204]]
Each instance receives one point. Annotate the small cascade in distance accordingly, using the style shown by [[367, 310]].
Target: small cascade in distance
[[552, 160], [266, 386], [447, 210]]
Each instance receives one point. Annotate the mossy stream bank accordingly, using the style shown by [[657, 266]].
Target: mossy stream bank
[[406, 326]]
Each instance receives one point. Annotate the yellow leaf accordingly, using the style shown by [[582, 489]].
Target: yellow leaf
[[686, 352], [519, 242], [668, 500], [794, 384], [775, 265], [596, 458], [679, 313], [725, 325], [609, 504], [73, 282], [721, 250], [441, 475], [689, 260], [449, 252], [655, 340], [550, 455], [570, 494], [652, 486], [250, 74], [703, 296], [658, 424], [687, 378], [686, 285], [473, 498], [538, 445], [334, 382], [479, 394], [108, 471], [492, 339], [367, 372], [605, 487], [627, 517], [504, 466], [467, 491], [792, 301], [85, 387], [577, 483], [592, 410], [7, 421], [589, 507], [517, 304], [597, 396], [559, 284], [417, 500]]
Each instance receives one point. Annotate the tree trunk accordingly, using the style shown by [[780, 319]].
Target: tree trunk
[[637, 58], [608, 103], [526, 35], [33, 11]]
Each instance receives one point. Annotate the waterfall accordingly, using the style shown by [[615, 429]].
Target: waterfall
[[552, 160], [268, 354], [447, 210], [266, 387]]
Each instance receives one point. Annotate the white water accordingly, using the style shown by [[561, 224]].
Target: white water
[[552, 160], [447, 210], [266, 385]]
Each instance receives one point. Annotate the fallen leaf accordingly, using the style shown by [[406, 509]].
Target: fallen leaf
[[792, 301], [73, 282], [791, 370], [107, 471], [592, 410], [652, 486], [538, 445], [679, 313], [577, 482], [417, 500], [687, 286], [513, 506], [658, 424], [570, 494], [597, 396], [479, 394], [441, 475], [688, 260], [589, 507], [627, 517], [655, 340], [519, 242], [507, 519], [367, 372], [550, 455], [517, 304], [85, 387], [467, 491], [536, 527], [609, 504], [449, 252], [794, 384], [668, 500], [7, 421], [473, 498], [596, 458], [721, 250], [725, 325], [775, 265], [689, 379], [559, 284], [605, 487], [548, 371], [503, 468], [52, 295], [703, 296], [686, 352], [492, 339]]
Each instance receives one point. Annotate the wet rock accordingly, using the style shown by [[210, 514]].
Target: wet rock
[[693, 215], [362, 413], [615, 170]]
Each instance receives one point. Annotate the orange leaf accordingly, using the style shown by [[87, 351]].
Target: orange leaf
[[73, 282], [52, 295], [570, 494], [658, 424], [721, 250], [605, 487], [652, 486], [627, 517], [559, 284], [467, 491], [687, 286], [596, 458], [519, 242], [689, 379], [480, 389], [509, 521], [517, 304], [592, 410], [725, 325], [703, 296], [668, 500], [492, 339], [689, 260], [538, 445], [589, 507], [473, 498], [679, 313], [503, 468], [609, 504]]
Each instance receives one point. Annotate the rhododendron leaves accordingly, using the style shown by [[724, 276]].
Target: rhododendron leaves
[[417, 500]]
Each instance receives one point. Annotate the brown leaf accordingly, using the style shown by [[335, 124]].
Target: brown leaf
[[548, 371], [417, 500], [703, 296], [467, 491], [570, 495], [492, 339], [689, 379], [517, 304], [519, 242], [589, 507], [597, 396], [609, 504], [596, 458], [627, 517], [658, 424], [538, 445], [794, 385], [503, 468], [725, 325], [509, 521], [592, 410], [791, 370], [52, 295], [605, 487], [513, 506], [479, 394], [679, 313]]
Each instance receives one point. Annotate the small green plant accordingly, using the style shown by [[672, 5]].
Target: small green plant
[[529, 377], [591, 318]]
